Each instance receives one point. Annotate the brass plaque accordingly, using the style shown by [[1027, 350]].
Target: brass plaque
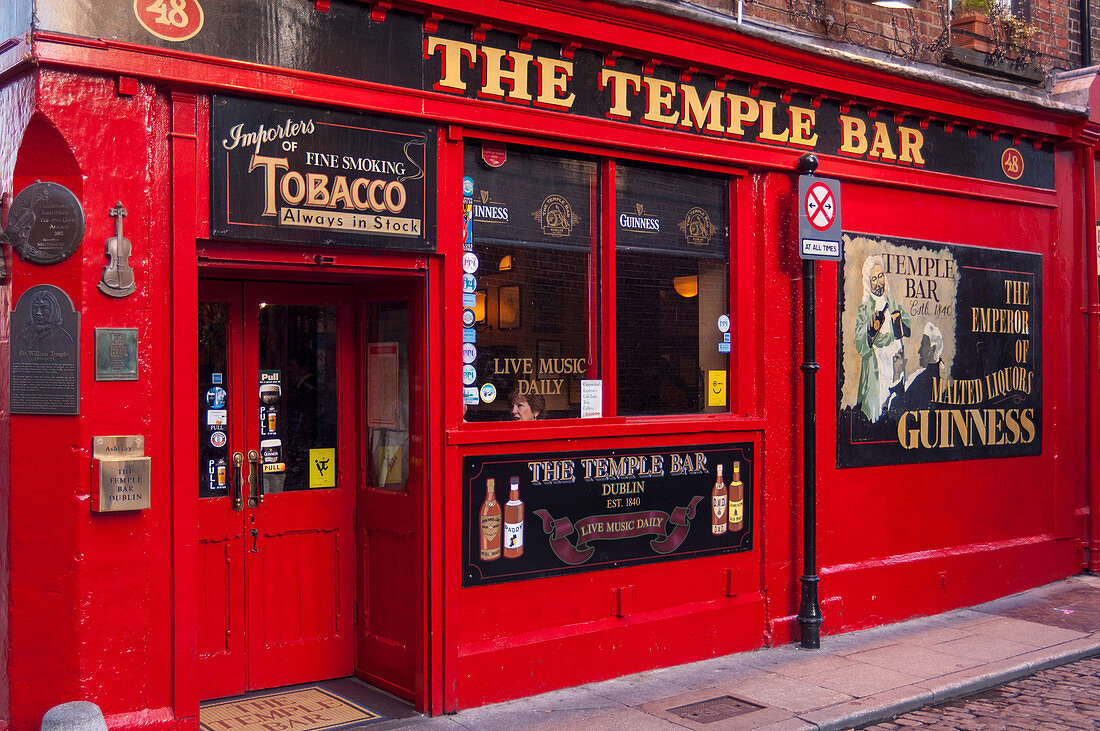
[[123, 485], [118, 447], [116, 354]]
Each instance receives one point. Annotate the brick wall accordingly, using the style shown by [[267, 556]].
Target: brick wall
[[921, 34]]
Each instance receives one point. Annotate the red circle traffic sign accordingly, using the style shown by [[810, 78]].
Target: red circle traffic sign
[[820, 206]]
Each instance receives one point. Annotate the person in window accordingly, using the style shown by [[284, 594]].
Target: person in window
[[527, 406]]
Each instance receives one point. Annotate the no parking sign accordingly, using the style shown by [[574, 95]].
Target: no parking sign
[[819, 218]]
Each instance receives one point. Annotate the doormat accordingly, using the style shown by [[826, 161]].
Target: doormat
[[308, 708]]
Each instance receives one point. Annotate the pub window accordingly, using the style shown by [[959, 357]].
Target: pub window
[[531, 226], [672, 291]]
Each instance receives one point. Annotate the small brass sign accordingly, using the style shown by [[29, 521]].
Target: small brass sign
[[123, 471], [118, 446]]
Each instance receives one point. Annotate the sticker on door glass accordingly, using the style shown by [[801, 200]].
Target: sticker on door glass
[[488, 393], [217, 438], [271, 455], [217, 417], [716, 390], [215, 397], [322, 467]]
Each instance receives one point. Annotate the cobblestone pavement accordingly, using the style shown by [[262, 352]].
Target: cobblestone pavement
[[1066, 697]]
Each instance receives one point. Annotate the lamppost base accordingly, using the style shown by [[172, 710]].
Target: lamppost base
[[809, 614]]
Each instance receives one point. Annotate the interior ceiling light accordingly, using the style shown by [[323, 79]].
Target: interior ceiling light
[[686, 287]]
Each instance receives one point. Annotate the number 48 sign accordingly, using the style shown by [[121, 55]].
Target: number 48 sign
[[172, 20], [819, 228]]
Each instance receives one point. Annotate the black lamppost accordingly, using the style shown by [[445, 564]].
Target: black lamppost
[[809, 610]]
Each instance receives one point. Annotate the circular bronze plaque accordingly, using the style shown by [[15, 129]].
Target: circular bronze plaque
[[45, 223]]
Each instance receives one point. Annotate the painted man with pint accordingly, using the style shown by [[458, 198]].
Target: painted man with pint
[[880, 321]]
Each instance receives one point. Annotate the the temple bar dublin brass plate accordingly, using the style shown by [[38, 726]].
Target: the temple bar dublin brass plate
[[44, 370], [116, 351], [45, 223], [123, 473]]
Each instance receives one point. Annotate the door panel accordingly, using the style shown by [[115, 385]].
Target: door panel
[[390, 505], [221, 637], [277, 566]]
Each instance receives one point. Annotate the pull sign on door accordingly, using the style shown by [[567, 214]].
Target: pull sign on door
[[819, 218]]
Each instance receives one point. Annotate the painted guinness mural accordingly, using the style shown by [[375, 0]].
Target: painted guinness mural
[[939, 352]]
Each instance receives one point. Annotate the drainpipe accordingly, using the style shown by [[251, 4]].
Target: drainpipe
[[1086, 34]]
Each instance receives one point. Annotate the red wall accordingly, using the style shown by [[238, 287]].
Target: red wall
[[89, 594]]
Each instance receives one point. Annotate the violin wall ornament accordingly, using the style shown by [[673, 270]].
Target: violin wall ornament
[[118, 277]]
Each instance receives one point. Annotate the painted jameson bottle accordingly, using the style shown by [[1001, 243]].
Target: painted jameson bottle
[[513, 521], [737, 500], [719, 497], [489, 526]]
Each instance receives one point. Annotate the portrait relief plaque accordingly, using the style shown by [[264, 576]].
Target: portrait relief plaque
[[44, 373], [45, 223]]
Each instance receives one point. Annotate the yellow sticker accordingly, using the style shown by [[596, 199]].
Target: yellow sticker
[[322, 467], [716, 388]]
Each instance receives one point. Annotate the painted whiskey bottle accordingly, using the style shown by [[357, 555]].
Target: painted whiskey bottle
[[719, 498], [737, 500], [489, 523], [513, 521]]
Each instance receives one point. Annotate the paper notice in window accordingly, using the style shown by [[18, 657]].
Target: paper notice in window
[[382, 395], [591, 399], [716, 388]]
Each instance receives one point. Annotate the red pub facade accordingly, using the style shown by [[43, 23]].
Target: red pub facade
[[488, 324]]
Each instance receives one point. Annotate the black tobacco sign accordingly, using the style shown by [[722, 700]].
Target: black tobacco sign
[[288, 173], [939, 352], [529, 516]]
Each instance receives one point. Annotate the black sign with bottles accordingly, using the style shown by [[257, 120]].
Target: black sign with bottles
[[531, 516]]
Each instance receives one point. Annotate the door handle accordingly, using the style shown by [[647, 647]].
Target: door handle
[[255, 479], [238, 484]]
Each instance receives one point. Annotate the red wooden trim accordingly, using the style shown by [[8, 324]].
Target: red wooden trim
[[509, 433], [444, 335], [735, 376], [185, 459], [749, 292], [1092, 369], [610, 135], [447, 509], [860, 83], [610, 370]]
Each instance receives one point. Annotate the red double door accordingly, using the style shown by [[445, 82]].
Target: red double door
[[308, 488]]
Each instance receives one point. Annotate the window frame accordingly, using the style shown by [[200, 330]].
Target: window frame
[[602, 329]]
